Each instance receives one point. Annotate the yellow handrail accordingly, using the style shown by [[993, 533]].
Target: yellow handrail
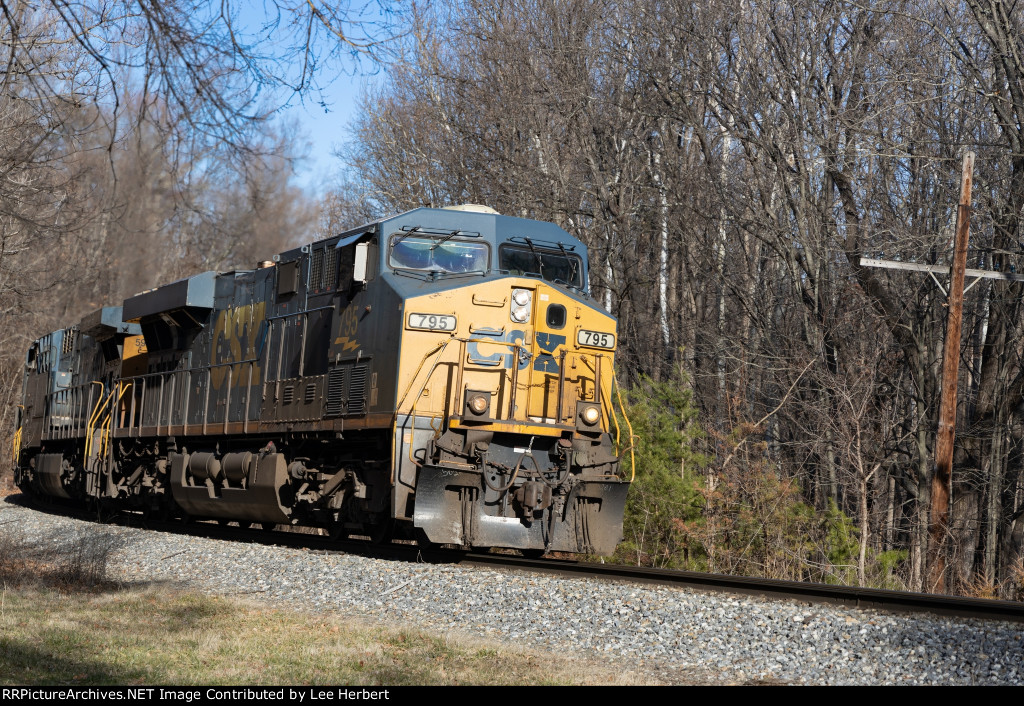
[[599, 396], [618, 431], [16, 450], [438, 348], [107, 425], [100, 403], [632, 458]]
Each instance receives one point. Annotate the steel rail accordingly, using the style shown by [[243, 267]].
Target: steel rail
[[850, 596], [774, 589]]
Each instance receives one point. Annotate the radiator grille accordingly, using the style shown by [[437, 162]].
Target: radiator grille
[[330, 268], [316, 272]]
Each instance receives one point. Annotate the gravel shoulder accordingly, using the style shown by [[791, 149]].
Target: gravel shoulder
[[664, 635]]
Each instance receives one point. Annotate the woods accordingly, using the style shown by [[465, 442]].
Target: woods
[[140, 144], [727, 163]]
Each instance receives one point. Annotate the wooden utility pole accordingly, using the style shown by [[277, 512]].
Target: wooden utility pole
[[943, 472], [938, 527]]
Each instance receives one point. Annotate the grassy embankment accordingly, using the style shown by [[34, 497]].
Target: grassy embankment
[[63, 622]]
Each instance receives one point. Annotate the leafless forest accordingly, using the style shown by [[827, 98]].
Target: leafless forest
[[727, 162]]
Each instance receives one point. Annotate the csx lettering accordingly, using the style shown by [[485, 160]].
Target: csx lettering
[[544, 362], [548, 342], [234, 340], [497, 358]]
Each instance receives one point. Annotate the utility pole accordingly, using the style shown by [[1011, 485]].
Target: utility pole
[[938, 526], [943, 472]]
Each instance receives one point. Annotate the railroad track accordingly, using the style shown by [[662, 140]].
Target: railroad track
[[848, 596]]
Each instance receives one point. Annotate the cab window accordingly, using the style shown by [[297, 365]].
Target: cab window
[[440, 254], [553, 265]]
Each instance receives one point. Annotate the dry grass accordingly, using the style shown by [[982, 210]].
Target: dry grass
[[7, 486], [63, 622], [1010, 587], [157, 636], [76, 564]]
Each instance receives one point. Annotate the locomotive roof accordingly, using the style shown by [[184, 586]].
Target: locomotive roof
[[492, 227], [200, 289]]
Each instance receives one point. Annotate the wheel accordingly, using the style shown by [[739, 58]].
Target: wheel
[[337, 531], [382, 532], [533, 553]]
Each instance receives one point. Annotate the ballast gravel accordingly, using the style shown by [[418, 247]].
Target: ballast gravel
[[671, 635]]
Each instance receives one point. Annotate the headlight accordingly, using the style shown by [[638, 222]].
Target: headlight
[[478, 403], [522, 300], [520, 314], [590, 415]]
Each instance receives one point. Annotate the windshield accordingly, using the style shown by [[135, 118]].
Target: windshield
[[438, 254], [554, 266]]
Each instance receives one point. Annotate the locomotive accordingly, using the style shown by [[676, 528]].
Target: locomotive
[[443, 374]]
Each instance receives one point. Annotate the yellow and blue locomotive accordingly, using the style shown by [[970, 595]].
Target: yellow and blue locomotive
[[442, 374]]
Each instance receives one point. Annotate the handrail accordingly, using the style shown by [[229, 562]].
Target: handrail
[[16, 447], [93, 418], [599, 395], [632, 444], [122, 387], [599, 361], [166, 387], [440, 347]]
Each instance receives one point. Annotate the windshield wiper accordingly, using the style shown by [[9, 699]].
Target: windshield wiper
[[572, 266], [445, 239], [403, 236], [540, 263]]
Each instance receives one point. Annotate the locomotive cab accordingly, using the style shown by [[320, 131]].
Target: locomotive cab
[[504, 434]]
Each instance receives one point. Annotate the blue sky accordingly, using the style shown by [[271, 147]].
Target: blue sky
[[325, 129], [323, 118]]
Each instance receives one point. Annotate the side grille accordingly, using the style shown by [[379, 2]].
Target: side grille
[[310, 393], [357, 391], [330, 268], [289, 394], [335, 392], [316, 271]]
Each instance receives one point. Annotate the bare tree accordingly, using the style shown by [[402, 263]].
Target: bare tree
[[729, 163], [139, 142]]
